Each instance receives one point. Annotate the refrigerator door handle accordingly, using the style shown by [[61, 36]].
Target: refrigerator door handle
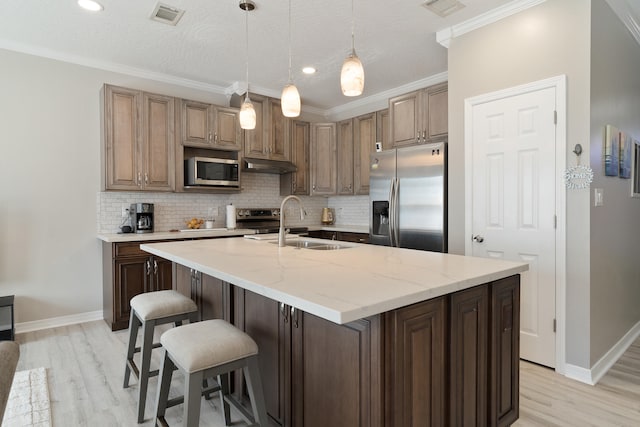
[[396, 202], [391, 212]]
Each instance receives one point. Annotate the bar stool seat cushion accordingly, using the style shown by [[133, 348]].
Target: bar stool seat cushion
[[203, 345], [159, 304]]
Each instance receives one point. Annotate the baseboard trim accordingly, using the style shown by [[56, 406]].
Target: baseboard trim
[[55, 322], [602, 366]]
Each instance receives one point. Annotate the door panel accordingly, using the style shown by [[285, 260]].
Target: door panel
[[514, 204]]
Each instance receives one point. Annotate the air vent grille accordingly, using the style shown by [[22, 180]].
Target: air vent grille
[[443, 8], [166, 14]]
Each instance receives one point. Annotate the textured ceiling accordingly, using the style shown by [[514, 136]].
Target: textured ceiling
[[395, 40]]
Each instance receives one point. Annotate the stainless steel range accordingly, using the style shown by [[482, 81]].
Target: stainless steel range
[[263, 220]]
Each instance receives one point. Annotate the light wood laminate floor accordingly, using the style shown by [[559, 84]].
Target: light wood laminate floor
[[85, 367]]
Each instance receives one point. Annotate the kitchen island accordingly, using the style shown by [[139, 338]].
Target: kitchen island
[[369, 335]]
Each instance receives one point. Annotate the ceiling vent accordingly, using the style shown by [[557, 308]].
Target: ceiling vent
[[443, 8], [166, 14]]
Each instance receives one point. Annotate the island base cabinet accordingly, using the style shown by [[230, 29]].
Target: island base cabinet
[[211, 295], [415, 365]]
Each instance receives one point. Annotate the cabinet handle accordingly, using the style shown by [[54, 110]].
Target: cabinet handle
[[209, 136], [284, 312], [418, 133], [155, 267], [148, 268], [294, 317], [139, 179], [146, 178], [215, 137]]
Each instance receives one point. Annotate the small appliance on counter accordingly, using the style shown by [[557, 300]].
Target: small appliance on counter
[[141, 217], [327, 217]]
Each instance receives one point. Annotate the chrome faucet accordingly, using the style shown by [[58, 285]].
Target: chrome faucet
[[282, 240]]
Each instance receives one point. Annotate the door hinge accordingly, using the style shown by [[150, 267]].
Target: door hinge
[[554, 325], [555, 117], [555, 221]]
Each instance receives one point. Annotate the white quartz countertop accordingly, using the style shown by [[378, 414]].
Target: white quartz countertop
[[338, 285]]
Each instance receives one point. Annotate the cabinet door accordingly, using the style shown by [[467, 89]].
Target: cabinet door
[[323, 159], [437, 103], [210, 296], [227, 134], [504, 372], [255, 141], [278, 146], [340, 358], [268, 324], [416, 365], [383, 128], [130, 279], [468, 363], [404, 115], [121, 134], [196, 123], [158, 143], [346, 236], [297, 182], [162, 274], [345, 157], [364, 145]]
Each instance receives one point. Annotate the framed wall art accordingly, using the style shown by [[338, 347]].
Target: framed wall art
[[626, 143], [611, 150]]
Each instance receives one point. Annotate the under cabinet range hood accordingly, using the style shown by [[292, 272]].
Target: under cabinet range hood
[[267, 166]]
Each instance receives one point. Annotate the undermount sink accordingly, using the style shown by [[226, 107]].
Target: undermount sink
[[319, 246]]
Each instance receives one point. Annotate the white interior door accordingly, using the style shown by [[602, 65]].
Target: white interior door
[[513, 205]]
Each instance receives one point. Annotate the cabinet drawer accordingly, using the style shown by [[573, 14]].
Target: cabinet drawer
[[128, 249]]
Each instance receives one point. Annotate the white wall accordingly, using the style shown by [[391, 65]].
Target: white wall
[[544, 41], [615, 100]]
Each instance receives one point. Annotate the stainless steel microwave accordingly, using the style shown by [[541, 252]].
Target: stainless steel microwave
[[206, 171]]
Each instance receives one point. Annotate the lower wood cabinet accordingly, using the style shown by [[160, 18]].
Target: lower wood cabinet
[[449, 361], [344, 236], [211, 294], [129, 271]]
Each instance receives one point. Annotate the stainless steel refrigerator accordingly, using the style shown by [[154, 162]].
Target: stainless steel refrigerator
[[408, 197]]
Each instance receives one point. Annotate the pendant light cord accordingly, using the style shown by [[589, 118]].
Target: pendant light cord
[[246, 26], [290, 78], [353, 27]]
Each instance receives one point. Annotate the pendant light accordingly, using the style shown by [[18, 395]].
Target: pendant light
[[352, 75], [290, 99], [247, 112]]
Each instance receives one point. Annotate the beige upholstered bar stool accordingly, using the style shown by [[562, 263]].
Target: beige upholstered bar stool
[[208, 349], [149, 310]]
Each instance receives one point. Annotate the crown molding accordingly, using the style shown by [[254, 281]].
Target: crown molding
[[624, 12], [444, 36], [110, 66]]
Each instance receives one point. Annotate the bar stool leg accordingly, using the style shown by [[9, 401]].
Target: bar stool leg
[[223, 380], [192, 396], [256, 393], [134, 324], [143, 382], [166, 371]]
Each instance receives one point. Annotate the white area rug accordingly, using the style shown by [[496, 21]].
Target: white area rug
[[28, 403]]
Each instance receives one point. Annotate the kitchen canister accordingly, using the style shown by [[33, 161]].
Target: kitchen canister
[[231, 217]]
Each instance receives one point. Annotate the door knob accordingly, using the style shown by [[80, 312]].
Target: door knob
[[478, 238]]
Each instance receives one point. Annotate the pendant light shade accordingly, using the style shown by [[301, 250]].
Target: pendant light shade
[[247, 114], [290, 101], [352, 74]]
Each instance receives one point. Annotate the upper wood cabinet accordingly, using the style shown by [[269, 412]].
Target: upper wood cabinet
[[383, 128], [419, 117], [138, 139], [297, 182], [345, 157], [210, 126], [270, 138], [323, 159], [364, 136]]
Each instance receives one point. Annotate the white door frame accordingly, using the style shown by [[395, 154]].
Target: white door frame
[[560, 85]]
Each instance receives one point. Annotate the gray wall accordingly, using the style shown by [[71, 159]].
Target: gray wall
[[544, 41], [615, 100]]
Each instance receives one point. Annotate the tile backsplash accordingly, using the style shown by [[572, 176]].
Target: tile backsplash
[[259, 190]]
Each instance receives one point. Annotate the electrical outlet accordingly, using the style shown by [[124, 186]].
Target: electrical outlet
[[124, 211]]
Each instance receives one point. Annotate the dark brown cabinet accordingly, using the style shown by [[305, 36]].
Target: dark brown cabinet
[[344, 236], [211, 294], [416, 365], [127, 272], [314, 372]]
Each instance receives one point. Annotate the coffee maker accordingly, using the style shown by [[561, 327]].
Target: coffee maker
[[141, 217]]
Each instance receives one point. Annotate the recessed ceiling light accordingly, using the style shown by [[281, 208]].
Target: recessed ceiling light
[[91, 5], [309, 70]]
